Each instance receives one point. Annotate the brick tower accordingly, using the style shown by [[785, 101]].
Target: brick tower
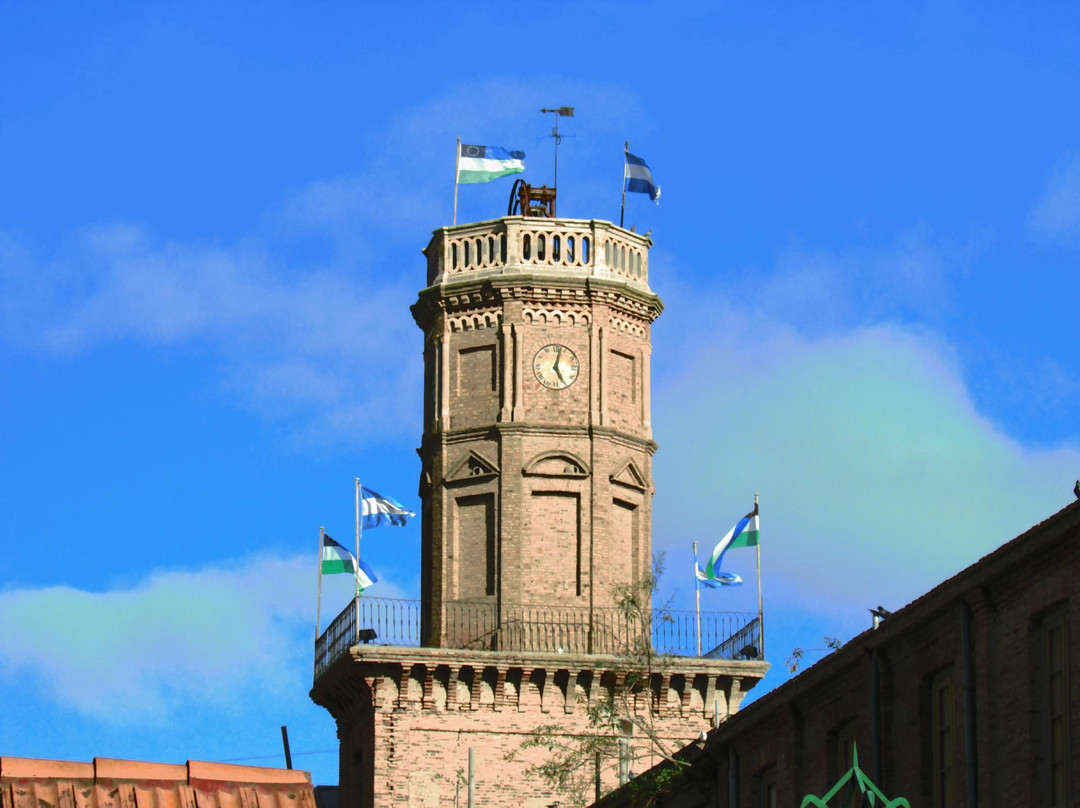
[[536, 490]]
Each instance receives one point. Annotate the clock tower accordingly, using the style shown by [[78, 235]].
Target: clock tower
[[536, 505], [537, 448]]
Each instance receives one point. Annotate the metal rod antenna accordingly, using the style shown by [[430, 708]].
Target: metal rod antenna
[[558, 140], [558, 112], [285, 744]]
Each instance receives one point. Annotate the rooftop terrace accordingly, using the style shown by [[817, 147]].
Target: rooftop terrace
[[540, 629]]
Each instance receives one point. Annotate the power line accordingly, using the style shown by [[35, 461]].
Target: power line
[[278, 755]]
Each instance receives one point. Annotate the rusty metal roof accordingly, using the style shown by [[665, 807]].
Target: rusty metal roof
[[112, 783]]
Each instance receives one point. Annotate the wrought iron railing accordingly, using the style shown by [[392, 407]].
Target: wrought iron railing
[[517, 627]]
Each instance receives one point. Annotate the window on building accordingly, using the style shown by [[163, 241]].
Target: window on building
[[768, 788], [1055, 688], [942, 710], [846, 737]]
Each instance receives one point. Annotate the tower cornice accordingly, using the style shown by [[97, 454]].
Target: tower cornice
[[491, 294], [492, 433]]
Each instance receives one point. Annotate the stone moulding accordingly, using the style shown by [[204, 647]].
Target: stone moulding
[[629, 476], [431, 679], [471, 468], [556, 463]]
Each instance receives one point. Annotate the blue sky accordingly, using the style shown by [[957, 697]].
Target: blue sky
[[868, 247]]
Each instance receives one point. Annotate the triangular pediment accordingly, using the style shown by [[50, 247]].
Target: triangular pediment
[[630, 477], [556, 464], [473, 467]]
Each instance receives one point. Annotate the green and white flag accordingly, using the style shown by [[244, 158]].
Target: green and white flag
[[487, 163], [746, 533], [336, 558]]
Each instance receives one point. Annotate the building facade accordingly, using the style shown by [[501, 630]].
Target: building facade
[[536, 490], [968, 696]]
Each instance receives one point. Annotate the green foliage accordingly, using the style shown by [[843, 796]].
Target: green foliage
[[797, 653], [621, 729]]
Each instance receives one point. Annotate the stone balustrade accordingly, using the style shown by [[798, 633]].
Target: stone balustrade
[[515, 244]]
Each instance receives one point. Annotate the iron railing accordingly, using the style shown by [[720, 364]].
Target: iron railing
[[517, 627]]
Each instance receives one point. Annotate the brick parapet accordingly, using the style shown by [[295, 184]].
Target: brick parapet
[[407, 717]]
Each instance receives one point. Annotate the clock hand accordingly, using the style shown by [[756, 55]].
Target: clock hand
[[559, 373]]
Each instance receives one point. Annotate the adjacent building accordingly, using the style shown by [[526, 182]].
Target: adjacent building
[[113, 783], [967, 696]]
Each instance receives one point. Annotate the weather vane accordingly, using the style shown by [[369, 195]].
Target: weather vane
[[558, 112]]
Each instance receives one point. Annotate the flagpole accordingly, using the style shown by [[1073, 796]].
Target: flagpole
[[318, 600], [356, 600], [622, 211], [358, 532], [457, 169], [697, 601], [760, 609]]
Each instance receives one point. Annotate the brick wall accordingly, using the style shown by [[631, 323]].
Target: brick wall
[[1007, 599], [407, 718], [568, 472]]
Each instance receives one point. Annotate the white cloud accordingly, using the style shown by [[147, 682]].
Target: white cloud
[[306, 316], [1056, 215], [821, 292], [878, 477], [141, 654]]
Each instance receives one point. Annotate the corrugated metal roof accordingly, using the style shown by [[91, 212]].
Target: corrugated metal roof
[[112, 783]]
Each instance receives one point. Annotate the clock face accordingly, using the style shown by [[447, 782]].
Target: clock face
[[555, 366]]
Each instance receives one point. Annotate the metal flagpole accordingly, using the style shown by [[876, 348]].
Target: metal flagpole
[[457, 169], [356, 600], [760, 610], [318, 601], [622, 210], [358, 532], [697, 601]]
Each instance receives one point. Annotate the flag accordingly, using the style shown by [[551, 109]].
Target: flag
[[379, 510], [639, 179], [335, 558], [487, 163], [744, 534], [722, 579], [365, 577]]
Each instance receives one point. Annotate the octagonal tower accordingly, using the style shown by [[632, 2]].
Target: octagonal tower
[[536, 489], [537, 448]]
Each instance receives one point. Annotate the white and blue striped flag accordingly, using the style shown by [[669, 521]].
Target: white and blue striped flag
[[365, 576], [379, 510], [639, 179]]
